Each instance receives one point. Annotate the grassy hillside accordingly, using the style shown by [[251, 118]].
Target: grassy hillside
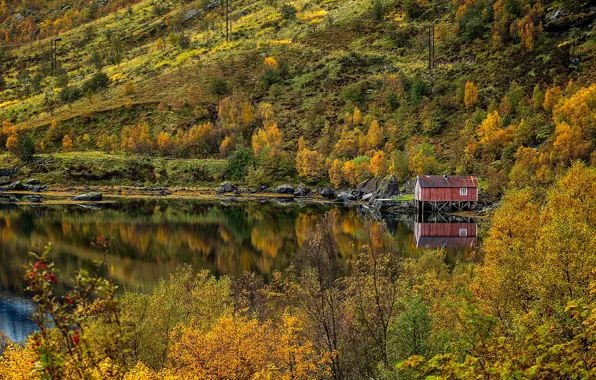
[[321, 70]]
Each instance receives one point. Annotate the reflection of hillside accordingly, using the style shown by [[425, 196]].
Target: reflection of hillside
[[150, 238]]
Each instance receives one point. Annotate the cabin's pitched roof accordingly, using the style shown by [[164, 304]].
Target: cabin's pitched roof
[[447, 181]]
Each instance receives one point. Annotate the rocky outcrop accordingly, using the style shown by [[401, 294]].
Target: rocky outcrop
[[16, 186], [387, 188], [5, 181], [346, 196], [368, 187], [227, 187], [301, 191], [388, 205], [327, 192], [89, 197], [33, 182], [284, 189]]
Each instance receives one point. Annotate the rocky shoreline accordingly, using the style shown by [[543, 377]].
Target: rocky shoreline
[[380, 195]]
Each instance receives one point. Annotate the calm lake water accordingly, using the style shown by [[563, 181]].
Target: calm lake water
[[151, 238]]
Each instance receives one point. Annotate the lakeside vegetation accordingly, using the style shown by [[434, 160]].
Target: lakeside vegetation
[[528, 310], [319, 92]]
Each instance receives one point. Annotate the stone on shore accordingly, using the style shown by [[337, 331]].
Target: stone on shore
[[89, 197], [302, 191], [227, 187], [284, 189], [16, 186], [327, 192]]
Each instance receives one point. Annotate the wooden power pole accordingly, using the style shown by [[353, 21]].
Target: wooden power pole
[[228, 21]]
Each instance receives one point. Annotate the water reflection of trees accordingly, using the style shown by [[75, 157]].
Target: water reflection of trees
[[151, 238]]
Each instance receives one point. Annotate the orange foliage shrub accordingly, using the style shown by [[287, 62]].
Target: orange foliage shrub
[[136, 139], [66, 142], [271, 62], [227, 145]]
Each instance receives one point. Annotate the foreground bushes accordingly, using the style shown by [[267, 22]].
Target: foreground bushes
[[528, 310]]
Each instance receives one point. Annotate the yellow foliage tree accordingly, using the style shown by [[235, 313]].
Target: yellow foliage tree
[[227, 145], [357, 116], [267, 138], [470, 94], [241, 348], [489, 127], [349, 172], [378, 164], [551, 98], [165, 143], [375, 136], [336, 172], [310, 164]]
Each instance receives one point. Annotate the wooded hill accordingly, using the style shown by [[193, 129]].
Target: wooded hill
[[311, 91]]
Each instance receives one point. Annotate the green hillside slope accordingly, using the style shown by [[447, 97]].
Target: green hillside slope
[[321, 70]]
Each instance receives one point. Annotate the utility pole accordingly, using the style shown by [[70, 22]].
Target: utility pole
[[227, 20], [431, 46], [53, 54]]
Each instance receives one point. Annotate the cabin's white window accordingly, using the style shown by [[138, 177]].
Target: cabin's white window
[[463, 232], [463, 191]]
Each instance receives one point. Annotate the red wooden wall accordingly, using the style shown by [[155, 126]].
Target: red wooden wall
[[430, 194]]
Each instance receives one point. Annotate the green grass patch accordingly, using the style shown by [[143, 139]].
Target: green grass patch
[[405, 197]]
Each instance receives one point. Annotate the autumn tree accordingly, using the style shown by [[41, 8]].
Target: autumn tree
[[165, 143], [309, 163], [470, 94], [422, 159], [378, 164], [136, 139], [551, 98], [374, 289], [227, 145], [335, 172], [375, 138], [66, 142], [267, 139]]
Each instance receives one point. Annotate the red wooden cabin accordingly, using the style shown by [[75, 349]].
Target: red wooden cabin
[[445, 235], [442, 188]]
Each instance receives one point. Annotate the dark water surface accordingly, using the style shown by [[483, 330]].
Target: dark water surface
[[151, 238]]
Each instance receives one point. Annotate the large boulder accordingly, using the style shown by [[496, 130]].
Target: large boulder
[[302, 191], [327, 192], [284, 189], [89, 197], [227, 187], [16, 186], [346, 196], [369, 186], [387, 189], [33, 182]]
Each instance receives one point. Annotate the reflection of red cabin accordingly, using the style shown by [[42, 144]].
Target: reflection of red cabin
[[445, 235], [439, 188]]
